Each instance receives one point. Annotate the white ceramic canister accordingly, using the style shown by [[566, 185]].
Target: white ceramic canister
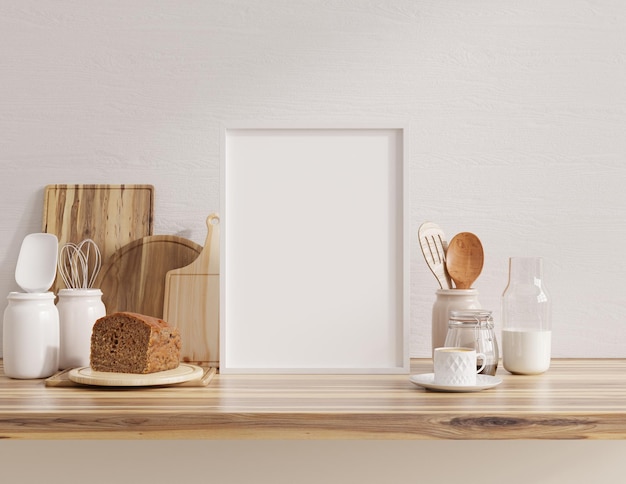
[[450, 300], [30, 344], [78, 311]]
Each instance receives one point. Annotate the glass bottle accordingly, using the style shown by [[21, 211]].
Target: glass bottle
[[78, 311], [474, 329], [526, 318], [30, 343], [446, 301]]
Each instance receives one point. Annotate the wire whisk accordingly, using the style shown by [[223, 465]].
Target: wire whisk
[[79, 264]]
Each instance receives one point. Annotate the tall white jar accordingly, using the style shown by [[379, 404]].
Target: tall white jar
[[78, 311], [30, 343], [448, 300]]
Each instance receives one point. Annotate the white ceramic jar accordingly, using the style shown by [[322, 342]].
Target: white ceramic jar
[[78, 311], [30, 344], [450, 300]]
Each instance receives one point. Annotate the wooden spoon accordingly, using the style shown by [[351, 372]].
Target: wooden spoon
[[464, 259]]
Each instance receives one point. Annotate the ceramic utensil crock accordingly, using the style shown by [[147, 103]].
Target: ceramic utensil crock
[[78, 311], [30, 343], [448, 300]]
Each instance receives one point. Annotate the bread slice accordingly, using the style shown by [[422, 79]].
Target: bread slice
[[126, 342]]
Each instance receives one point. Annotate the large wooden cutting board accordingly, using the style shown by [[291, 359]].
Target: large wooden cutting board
[[110, 215], [133, 279], [191, 301]]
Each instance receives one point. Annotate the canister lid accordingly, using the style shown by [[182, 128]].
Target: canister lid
[[471, 313], [470, 316]]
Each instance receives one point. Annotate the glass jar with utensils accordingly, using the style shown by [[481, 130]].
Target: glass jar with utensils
[[474, 329]]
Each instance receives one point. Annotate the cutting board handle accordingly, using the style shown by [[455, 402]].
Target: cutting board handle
[[212, 245], [208, 262]]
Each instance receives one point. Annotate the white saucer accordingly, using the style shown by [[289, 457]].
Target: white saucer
[[483, 382]]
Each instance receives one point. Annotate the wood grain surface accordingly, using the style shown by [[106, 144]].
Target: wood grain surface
[[133, 279], [575, 399], [191, 300], [110, 215]]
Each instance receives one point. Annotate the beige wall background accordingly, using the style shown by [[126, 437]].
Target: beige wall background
[[515, 109], [516, 113]]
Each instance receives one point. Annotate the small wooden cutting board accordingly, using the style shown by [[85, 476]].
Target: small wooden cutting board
[[133, 279], [110, 215], [191, 300]]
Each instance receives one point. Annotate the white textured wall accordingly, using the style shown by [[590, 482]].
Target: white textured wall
[[516, 113]]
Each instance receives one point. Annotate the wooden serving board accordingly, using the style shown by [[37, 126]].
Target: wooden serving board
[[110, 215], [133, 279], [191, 300], [62, 379], [180, 374]]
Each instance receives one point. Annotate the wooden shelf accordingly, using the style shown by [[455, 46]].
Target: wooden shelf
[[575, 399]]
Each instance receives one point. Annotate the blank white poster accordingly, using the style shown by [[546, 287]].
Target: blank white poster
[[313, 268]]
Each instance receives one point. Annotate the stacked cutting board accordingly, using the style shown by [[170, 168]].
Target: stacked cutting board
[[165, 276], [192, 295], [110, 215]]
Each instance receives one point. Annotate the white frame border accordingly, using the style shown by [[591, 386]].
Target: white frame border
[[403, 366]]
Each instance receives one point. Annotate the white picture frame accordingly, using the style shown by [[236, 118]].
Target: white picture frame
[[314, 258]]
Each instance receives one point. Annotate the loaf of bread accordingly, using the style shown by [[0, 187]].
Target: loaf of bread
[[127, 342]]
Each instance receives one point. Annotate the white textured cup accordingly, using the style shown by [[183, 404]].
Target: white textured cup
[[457, 366]]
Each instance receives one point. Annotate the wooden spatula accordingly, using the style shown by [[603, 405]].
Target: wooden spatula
[[191, 301], [434, 247]]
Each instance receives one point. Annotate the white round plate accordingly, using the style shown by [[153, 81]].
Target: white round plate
[[184, 372], [483, 382]]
